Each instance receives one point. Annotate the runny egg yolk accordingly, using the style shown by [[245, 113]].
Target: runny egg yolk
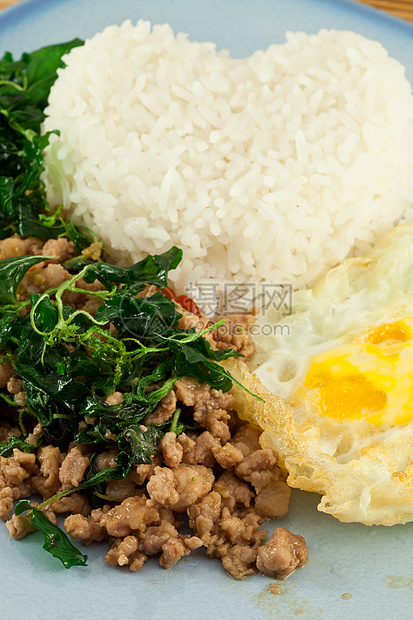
[[370, 378]]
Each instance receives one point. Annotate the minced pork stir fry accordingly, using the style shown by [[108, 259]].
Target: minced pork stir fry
[[115, 409], [142, 437]]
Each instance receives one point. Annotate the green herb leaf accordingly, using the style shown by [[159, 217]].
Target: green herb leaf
[[111, 418], [27, 83], [12, 271], [123, 463], [41, 70], [151, 270], [55, 540], [29, 223], [24, 89], [142, 444], [6, 448]]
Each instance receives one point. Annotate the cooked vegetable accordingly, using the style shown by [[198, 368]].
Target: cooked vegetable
[[24, 89], [68, 359], [148, 348], [65, 385], [12, 271], [55, 540]]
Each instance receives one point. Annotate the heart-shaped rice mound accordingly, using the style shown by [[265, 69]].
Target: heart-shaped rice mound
[[274, 167]]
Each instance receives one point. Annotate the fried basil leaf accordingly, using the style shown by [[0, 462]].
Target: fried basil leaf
[[55, 540], [141, 444], [12, 271], [151, 270], [6, 448]]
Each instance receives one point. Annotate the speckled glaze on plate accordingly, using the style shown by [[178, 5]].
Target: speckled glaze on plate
[[353, 571]]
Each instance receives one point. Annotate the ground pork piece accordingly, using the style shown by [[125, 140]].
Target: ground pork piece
[[90, 286], [33, 245], [210, 406], [14, 385], [48, 483], [228, 456], [257, 468], [20, 399], [166, 540], [197, 449], [152, 540], [191, 542], [140, 473], [75, 300], [137, 562], [180, 487], [12, 247], [62, 248], [272, 500], [110, 436], [246, 439], [11, 467], [91, 305], [50, 514], [189, 320], [208, 507], [86, 529], [106, 459], [116, 398], [84, 449], [233, 491], [40, 280], [169, 516], [242, 531], [133, 514], [282, 554], [52, 275], [6, 502], [204, 446], [239, 561], [163, 412], [75, 503], [201, 397], [174, 549], [15, 473], [7, 431], [162, 487], [118, 490], [122, 551], [172, 451], [235, 333], [126, 547], [49, 458], [82, 300], [19, 526], [204, 518], [33, 437], [73, 468], [6, 372], [188, 446], [216, 421]]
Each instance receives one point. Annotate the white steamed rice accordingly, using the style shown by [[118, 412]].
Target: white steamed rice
[[270, 168]]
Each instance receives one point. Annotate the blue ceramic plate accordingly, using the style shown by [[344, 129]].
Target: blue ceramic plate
[[353, 571]]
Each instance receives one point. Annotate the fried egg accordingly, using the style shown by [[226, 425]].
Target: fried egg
[[339, 377]]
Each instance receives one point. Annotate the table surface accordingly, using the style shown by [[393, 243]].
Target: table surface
[[399, 8]]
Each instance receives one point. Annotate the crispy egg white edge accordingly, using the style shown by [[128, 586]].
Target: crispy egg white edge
[[377, 486]]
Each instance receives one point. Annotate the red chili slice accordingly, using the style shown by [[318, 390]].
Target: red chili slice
[[184, 301]]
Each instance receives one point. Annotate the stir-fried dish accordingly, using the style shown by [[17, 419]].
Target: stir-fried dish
[[116, 410]]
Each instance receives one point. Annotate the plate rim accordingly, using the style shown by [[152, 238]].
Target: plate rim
[[11, 12]]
